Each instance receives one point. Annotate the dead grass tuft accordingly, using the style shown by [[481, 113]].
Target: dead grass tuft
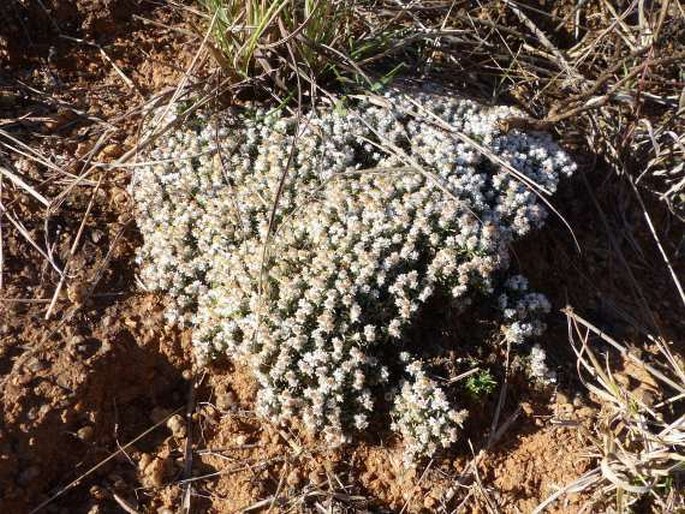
[[638, 439]]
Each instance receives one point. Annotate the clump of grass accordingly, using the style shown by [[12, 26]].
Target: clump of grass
[[290, 42], [638, 438]]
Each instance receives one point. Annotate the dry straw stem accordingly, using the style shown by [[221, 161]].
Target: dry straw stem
[[639, 444], [122, 449], [610, 72]]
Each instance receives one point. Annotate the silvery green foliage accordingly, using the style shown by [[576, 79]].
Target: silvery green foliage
[[359, 238], [537, 368], [523, 312], [422, 415]]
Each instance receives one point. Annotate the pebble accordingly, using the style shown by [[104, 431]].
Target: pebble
[[85, 433], [562, 398], [77, 292], [76, 340], [111, 151], [96, 236], [97, 492], [294, 478], [177, 425], [144, 462], [317, 477], [585, 413], [105, 346], [429, 502], [153, 474], [34, 365], [131, 323], [226, 401]]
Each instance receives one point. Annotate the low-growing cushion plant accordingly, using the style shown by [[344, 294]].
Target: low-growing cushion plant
[[305, 246]]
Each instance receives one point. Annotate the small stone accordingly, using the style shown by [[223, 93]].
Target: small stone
[[85, 433], [96, 236], [177, 425], [153, 474], [585, 413], [76, 340], [105, 346], [527, 408], [317, 477], [144, 462], [226, 401], [34, 365], [294, 478], [131, 323], [647, 396], [118, 483], [77, 292], [111, 151], [562, 398], [429, 503]]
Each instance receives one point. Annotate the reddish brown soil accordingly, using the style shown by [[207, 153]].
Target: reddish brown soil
[[78, 388]]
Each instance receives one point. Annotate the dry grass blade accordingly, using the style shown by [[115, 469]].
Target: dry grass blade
[[573, 316], [27, 236], [674, 276], [104, 461], [639, 452], [72, 250], [2, 246], [129, 83], [22, 184]]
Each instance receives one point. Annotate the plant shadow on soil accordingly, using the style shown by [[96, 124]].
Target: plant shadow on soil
[[73, 404]]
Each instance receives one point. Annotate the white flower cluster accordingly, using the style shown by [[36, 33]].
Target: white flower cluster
[[422, 415], [537, 366], [523, 314], [304, 246], [522, 311]]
